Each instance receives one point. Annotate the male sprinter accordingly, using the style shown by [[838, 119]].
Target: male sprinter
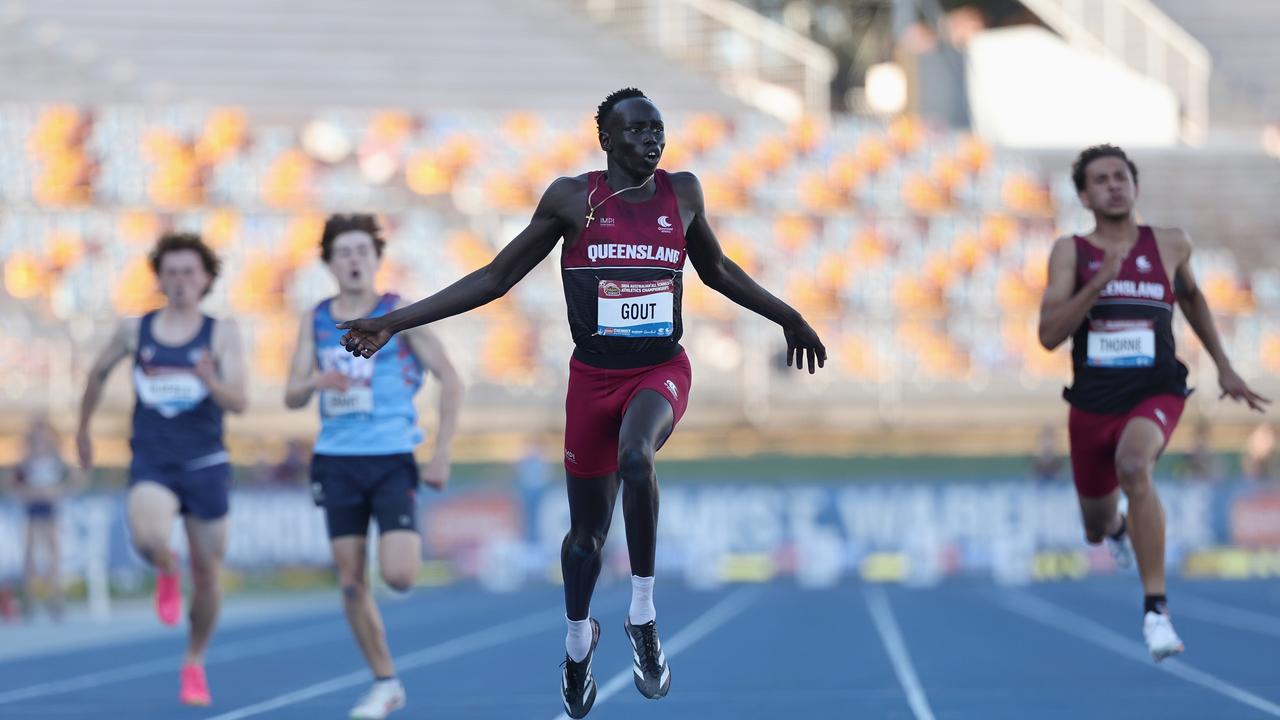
[[627, 231], [363, 464], [188, 369], [1112, 293]]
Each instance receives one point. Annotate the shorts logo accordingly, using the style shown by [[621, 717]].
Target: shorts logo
[[671, 388], [568, 455], [1144, 265], [611, 289], [404, 520], [1161, 417], [317, 492]]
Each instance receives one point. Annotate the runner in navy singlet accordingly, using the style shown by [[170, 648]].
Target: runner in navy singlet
[[1112, 292], [188, 370], [627, 231]]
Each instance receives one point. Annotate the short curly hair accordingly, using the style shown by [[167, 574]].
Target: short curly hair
[[173, 242], [1090, 154], [612, 99], [357, 222]]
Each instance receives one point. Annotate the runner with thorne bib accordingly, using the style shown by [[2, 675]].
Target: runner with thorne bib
[[1112, 292], [188, 369], [626, 233], [364, 465]]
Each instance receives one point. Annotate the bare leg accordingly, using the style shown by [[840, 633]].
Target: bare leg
[[208, 542], [1140, 445], [357, 602], [152, 510], [590, 513]]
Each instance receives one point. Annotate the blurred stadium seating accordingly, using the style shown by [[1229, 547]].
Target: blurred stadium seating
[[919, 251]]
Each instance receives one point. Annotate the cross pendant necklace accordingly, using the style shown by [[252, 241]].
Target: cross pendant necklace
[[591, 209]]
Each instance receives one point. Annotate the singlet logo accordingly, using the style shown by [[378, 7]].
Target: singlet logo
[[610, 289], [664, 225], [1144, 265], [606, 222], [147, 352]]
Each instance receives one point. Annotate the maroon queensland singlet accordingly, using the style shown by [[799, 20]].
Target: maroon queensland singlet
[[1123, 352], [623, 279]]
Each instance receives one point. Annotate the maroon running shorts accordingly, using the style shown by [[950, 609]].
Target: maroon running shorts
[[599, 397], [1095, 437]]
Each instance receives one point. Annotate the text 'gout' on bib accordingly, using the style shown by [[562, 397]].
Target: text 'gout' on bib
[[636, 308]]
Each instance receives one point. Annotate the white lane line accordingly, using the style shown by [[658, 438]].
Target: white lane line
[[1218, 613], [473, 642], [1068, 622], [891, 637], [314, 634], [719, 614], [301, 637]]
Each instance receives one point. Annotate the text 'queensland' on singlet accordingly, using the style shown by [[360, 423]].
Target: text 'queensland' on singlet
[[1123, 352], [623, 278], [175, 421], [375, 414]]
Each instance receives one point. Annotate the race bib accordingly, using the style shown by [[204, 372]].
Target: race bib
[[636, 308], [357, 399], [1122, 344], [169, 392], [354, 400]]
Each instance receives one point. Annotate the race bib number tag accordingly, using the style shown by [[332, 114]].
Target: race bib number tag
[[169, 392], [352, 401], [1122, 344], [628, 308]]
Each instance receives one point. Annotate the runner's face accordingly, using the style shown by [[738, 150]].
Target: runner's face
[[634, 136], [1109, 189], [183, 279], [354, 261]]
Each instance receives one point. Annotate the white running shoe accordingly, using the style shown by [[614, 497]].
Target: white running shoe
[[1162, 641], [1121, 551], [384, 698]]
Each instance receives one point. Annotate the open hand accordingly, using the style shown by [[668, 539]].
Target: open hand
[[802, 341], [365, 336], [1233, 385]]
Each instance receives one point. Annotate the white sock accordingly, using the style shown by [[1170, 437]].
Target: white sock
[[578, 641], [642, 610]]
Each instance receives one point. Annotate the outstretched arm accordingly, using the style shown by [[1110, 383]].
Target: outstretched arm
[[1196, 309], [366, 335], [727, 278]]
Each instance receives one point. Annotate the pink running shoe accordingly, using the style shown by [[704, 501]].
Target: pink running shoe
[[195, 689], [169, 596]]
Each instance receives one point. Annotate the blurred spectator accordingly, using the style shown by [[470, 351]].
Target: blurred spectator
[[1048, 463], [1200, 463], [40, 482], [1259, 461]]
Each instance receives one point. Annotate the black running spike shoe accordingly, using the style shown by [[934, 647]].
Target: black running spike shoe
[[577, 684], [652, 674]]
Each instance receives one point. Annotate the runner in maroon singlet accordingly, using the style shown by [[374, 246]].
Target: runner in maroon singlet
[[1112, 292], [627, 231]]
